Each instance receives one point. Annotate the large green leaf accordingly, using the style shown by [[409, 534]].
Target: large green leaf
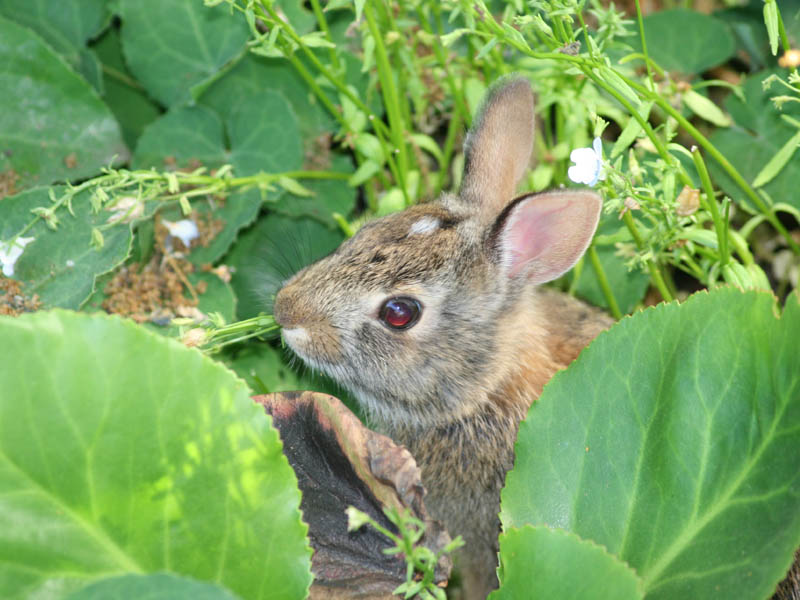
[[760, 133], [171, 45], [254, 75], [686, 41], [270, 252], [542, 563], [66, 26], [53, 126], [263, 136], [124, 452], [61, 265], [160, 586], [674, 442], [130, 105]]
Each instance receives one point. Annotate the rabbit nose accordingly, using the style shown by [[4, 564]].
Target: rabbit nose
[[287, 310]]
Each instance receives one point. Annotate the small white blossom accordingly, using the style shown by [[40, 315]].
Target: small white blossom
[[185, 230], [10, 253], [588, 166]]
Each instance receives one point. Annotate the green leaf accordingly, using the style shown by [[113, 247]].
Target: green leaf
[[686, 41], [270, 252], [673, 441], [759, 134], [66, 26], [61, 265], [705, 108], [631, 131], [160, 586], [544, 563], [330, 196], [130, 105], [254, 75], [771, 21], [778, 161], [629, 286], [183, 137], [171, 45], [263, 136], [52, 124], [124, 452]]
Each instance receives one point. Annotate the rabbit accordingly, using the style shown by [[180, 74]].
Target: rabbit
[[433, 319]]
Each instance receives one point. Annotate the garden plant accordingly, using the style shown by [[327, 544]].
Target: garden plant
[[165, 165]]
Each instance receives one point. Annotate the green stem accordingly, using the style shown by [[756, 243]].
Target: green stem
[[719, 225], [323, 25], [600, 273], [441, 55], [386, 77], [782, 30], [644, 45], [447, 154], [655, 273]]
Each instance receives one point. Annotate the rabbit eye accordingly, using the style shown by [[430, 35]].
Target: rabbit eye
[[400, 313]]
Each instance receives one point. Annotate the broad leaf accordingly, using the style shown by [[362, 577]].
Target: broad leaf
[[273, 250], [61, 265], [674, 442], [171, 45], [130, 105], [542, 563], [124, 452], [703, 42], [760, 135], [160, 586], [66, 26], [263, 136], [53, 126]]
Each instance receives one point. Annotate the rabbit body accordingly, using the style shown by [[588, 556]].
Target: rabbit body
[[453, 382]]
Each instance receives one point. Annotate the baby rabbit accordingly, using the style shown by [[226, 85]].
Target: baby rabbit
[[432, 318]]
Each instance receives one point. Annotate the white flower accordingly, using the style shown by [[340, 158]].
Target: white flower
[[588, 166], [185, 230], [10, 253]]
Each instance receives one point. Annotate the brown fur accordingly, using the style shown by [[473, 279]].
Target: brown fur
[[454, 387]]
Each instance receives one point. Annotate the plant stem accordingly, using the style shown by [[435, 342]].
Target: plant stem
[[391, 101], [719, 225], [644, 45], [600, 273], [652, 267], [323, 25]]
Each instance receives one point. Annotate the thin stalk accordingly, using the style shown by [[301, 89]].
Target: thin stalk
[[391, 101], [455, 91], [719, 226], [447, 153], [644, 45], [652, 267], [600, 273], [323, 25], [782, 30]]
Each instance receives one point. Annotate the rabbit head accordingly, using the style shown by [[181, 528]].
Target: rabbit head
[[405, 313]]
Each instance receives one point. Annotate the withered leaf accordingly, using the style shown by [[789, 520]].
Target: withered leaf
[[341, 463]]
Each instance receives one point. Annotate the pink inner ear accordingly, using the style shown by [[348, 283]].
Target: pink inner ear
[[544, 235]]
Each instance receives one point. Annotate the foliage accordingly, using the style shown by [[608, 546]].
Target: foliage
[[168, 467], [277, 128], [420, 560], [672, 443]]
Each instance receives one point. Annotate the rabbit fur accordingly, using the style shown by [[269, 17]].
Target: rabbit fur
[[453, 387]]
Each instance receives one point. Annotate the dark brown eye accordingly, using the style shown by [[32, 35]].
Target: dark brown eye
[[400, 313]]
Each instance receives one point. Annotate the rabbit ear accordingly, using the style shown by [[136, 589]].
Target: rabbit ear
[[543, 235], [498, 148]]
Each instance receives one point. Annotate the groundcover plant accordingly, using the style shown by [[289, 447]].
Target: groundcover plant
[[172, 162]]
